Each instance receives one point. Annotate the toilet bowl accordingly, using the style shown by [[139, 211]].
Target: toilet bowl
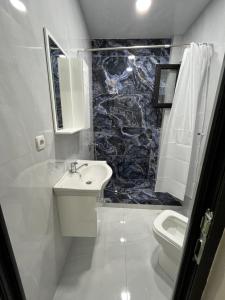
[[169, 229]]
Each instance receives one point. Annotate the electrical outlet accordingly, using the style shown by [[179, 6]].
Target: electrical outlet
[[40, 142]]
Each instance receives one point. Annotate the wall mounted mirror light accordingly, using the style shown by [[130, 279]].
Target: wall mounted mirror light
[[68, 84], [165, 83]]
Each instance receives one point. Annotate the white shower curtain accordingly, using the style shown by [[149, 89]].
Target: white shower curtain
[[177, 139]]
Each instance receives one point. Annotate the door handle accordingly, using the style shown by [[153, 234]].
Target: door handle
[[205, 227]]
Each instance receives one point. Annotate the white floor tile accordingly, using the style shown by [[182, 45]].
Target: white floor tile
[[142, 278], [120, 264]]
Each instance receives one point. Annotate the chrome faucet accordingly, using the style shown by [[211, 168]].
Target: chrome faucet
[[74, 168]]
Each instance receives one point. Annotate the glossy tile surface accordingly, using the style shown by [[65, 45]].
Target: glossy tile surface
[[27, 176], [126, 125], [120, 264]]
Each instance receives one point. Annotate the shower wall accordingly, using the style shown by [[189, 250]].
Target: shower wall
[[126, 125]]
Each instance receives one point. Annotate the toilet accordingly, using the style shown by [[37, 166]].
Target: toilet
[[169, 229]]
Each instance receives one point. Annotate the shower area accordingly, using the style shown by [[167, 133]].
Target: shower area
[[126, 124]]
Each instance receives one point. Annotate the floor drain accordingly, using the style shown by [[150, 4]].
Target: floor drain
[[88, 182]]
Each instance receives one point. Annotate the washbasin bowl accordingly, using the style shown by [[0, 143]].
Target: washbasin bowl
[[89, 180]]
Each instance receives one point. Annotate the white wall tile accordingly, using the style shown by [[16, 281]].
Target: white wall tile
[[27, 176], [209, 27]]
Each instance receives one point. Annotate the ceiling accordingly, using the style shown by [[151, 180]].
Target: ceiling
[[118, 19]]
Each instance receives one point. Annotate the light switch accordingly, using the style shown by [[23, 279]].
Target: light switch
[[40, 142]]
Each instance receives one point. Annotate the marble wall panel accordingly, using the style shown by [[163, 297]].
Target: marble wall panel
[[126, 125]]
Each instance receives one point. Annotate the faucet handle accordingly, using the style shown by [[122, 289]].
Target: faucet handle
[[73, 166]]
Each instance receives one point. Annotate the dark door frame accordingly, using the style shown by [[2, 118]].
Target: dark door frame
[[10, 283], [210, 194]]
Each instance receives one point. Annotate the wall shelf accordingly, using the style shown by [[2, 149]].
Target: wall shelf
[[68, 130]]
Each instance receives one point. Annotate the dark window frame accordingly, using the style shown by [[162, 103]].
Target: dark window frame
[[159, 68]]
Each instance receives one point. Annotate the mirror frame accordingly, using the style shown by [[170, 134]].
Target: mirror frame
[[48, 35]]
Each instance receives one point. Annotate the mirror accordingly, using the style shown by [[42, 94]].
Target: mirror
[[53, 53]]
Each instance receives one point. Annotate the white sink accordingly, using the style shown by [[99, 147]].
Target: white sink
[[77, 195], [88, 181]]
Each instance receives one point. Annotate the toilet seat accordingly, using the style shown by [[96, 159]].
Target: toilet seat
[[158, 227]]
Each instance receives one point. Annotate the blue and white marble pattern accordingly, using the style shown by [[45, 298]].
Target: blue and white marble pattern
[[126, 125], [55, 52]]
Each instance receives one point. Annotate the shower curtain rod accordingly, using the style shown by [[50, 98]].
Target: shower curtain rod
[[131, 47]]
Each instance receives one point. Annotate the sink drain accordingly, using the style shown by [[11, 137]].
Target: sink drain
[[88, 182]]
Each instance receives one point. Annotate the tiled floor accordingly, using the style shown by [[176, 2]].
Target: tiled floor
[[137, 194], [120, 264]]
